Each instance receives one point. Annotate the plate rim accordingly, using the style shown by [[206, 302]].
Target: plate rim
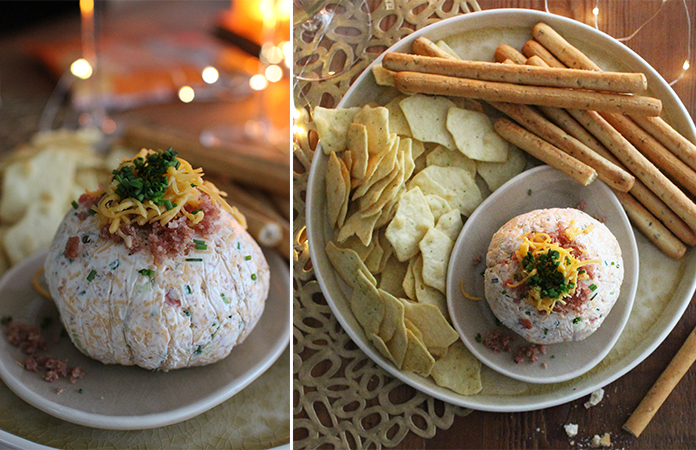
[[546, 170], [159, 419], [413, 380]]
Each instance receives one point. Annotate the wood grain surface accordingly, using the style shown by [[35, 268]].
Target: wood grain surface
[[663, 43]]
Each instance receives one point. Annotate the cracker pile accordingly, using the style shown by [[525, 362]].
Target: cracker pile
[[399, 180], [39, 182]]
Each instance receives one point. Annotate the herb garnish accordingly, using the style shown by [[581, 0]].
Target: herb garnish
[[74, 204], [144, 178], [91, 275], [147, 273], [194, 259], [548, 280], [200, 245]]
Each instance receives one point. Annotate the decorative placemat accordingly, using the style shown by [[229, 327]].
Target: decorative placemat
[[343, 399]]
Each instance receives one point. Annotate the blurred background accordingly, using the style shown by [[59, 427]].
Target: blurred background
[[208, 78]]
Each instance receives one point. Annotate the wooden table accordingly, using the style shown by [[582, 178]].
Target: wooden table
[[663, 44]]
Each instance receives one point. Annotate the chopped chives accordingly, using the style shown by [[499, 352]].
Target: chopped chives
[[188, 289], [194, 259], [196, 211], [225, 299], [168, 205], [247, 257], [201, 247], [74, 204], [147, 272], [593, 287], [253, 276], [91, 275]]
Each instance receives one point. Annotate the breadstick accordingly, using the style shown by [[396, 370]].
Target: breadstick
[[669, 137], [664, 385], [425, 47], [645, 196], [608, 172], [544, 151], [504, 52], [652, 228], [561, 49], [533, 48], [639, 165], [654, 151], [517, 74], [425, 83]]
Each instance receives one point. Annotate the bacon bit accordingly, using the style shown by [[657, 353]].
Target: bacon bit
[[171, 300], [72, 247], [51, 376], [526, 323], [75, 374], [173, 239], [137, 241], [530, 352], [60, 390], [497, 341], [477, 260], [31, 364], [582, 205], [28, 338]]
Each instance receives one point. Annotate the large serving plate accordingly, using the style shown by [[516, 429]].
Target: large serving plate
[[130, 398], [665, 287]]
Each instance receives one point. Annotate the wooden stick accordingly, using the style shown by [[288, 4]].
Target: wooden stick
[[652, 228], [608, 172], [650, 201], [654, 151], [517, 74], [425, 47], [534, 49], [240, 164], [265, 213], [638, 164], [414, 82], [267, 232], [504, 52], [664, 385], [544, 151], [669, 137], [566, 53], [282, 204]]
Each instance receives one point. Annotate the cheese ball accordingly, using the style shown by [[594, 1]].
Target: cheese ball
[[159, 296], [553, 275]]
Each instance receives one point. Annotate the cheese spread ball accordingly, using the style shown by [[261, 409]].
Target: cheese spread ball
[[160, 296], [553, 275]]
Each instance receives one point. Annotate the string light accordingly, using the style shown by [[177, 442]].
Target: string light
[[685, 66], [287, 51], [210, 75], [258, 82], [273, 73], [81, 69], [186, 94]]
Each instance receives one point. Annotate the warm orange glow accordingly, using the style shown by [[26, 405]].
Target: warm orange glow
[[87, 7]]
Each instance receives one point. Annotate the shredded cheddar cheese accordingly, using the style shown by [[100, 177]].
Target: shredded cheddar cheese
[[183, 187], [466, 294], [551, 271]]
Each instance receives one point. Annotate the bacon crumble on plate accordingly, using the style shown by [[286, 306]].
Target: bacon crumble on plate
[[156, 269]]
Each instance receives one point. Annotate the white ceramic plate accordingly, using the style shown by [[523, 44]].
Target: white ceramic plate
[[476, 36], [538, 188], [130, 398]]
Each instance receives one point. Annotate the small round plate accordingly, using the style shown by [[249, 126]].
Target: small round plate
[[538, 188], [130, 398]]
